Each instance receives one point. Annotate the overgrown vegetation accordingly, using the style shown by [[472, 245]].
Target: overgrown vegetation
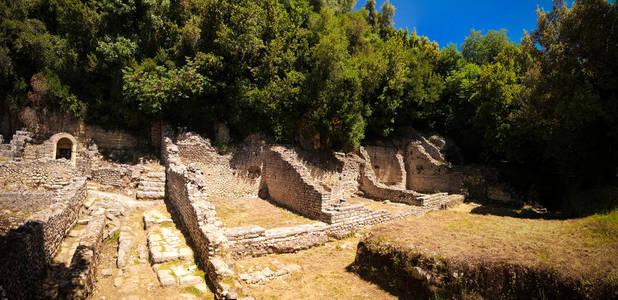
[[314, 69]]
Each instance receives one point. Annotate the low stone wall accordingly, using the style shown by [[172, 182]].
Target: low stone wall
[[256, 241], [110, 176], [288, 182], [30, 237], [83, 269], [46, 174]]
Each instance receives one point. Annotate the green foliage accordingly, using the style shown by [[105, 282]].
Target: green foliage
[[157, 87], [317, 70]]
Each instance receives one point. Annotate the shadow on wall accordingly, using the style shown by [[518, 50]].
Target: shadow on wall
[[23, 265]]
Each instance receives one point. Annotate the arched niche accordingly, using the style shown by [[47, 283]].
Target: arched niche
[[64, 146]]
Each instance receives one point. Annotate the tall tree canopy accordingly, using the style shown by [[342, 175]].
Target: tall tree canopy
[[299, 69]]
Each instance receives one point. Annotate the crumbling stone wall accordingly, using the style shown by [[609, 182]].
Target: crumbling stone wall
[[52, 123], [14, 150], [428, 171], [83, 269], [286, 181], [186, 195], [30, 234], [46, 174], [373, 188], [234, 174], [338, 171], [388, 165]]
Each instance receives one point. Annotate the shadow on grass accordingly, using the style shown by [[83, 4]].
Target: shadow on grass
[[520, 212], [578, 204]]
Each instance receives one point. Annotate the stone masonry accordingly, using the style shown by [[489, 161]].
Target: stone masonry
[[31, 232], [286, 181]]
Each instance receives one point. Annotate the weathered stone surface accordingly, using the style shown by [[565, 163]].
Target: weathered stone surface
[[32, 226], [125, 241], [166, 278], [153, 217]]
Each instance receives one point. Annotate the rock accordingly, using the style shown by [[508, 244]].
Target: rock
[[166, 278], [190, 280], [117, 281], [142, 253], [293, 268], [186, 253], [125, 240], [106, 272], [158, 257], [419, 274], [201, 287]]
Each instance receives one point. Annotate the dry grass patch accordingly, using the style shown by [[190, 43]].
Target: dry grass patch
[[583, 248], [378, 205], [235, 212], [324, 275]]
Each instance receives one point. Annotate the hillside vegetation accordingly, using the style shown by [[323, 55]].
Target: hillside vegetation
[[315, 69]]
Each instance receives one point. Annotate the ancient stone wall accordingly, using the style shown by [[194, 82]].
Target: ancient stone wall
[[83, 269], [388, 165], [234, 174], [338, 171], [288, 182], [375, 189], [186, 195], [111, 176], [30, 236], [53, 123], [428, 171], [14, 150], [46, 174]]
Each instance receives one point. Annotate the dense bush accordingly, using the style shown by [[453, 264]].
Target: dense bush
[[314, 69]]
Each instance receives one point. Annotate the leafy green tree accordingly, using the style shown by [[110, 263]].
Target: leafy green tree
[[372, 16], [387, 14], [571, 108], [482, 48]]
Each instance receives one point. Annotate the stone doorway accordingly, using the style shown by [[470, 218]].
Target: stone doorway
[[64, 149], [63, 145]]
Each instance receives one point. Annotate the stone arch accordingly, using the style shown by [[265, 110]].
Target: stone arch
[[64, 146]]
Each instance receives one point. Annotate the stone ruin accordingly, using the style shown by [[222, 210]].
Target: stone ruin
[[44, 187], [279, 175], [46, 184]]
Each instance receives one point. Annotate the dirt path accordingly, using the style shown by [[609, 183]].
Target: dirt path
[[125, 270]]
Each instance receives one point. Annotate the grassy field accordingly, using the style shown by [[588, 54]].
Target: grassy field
[[235, 212], [324, 275], [584, 249]]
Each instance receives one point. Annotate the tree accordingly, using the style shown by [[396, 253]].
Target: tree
[[573, 82], [372, 16], [387, 14]]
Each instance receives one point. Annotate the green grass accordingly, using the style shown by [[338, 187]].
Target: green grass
[[114, 238], [604, 227], [196, 292]]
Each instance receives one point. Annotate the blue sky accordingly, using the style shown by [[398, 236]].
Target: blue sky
[[450, 21]]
